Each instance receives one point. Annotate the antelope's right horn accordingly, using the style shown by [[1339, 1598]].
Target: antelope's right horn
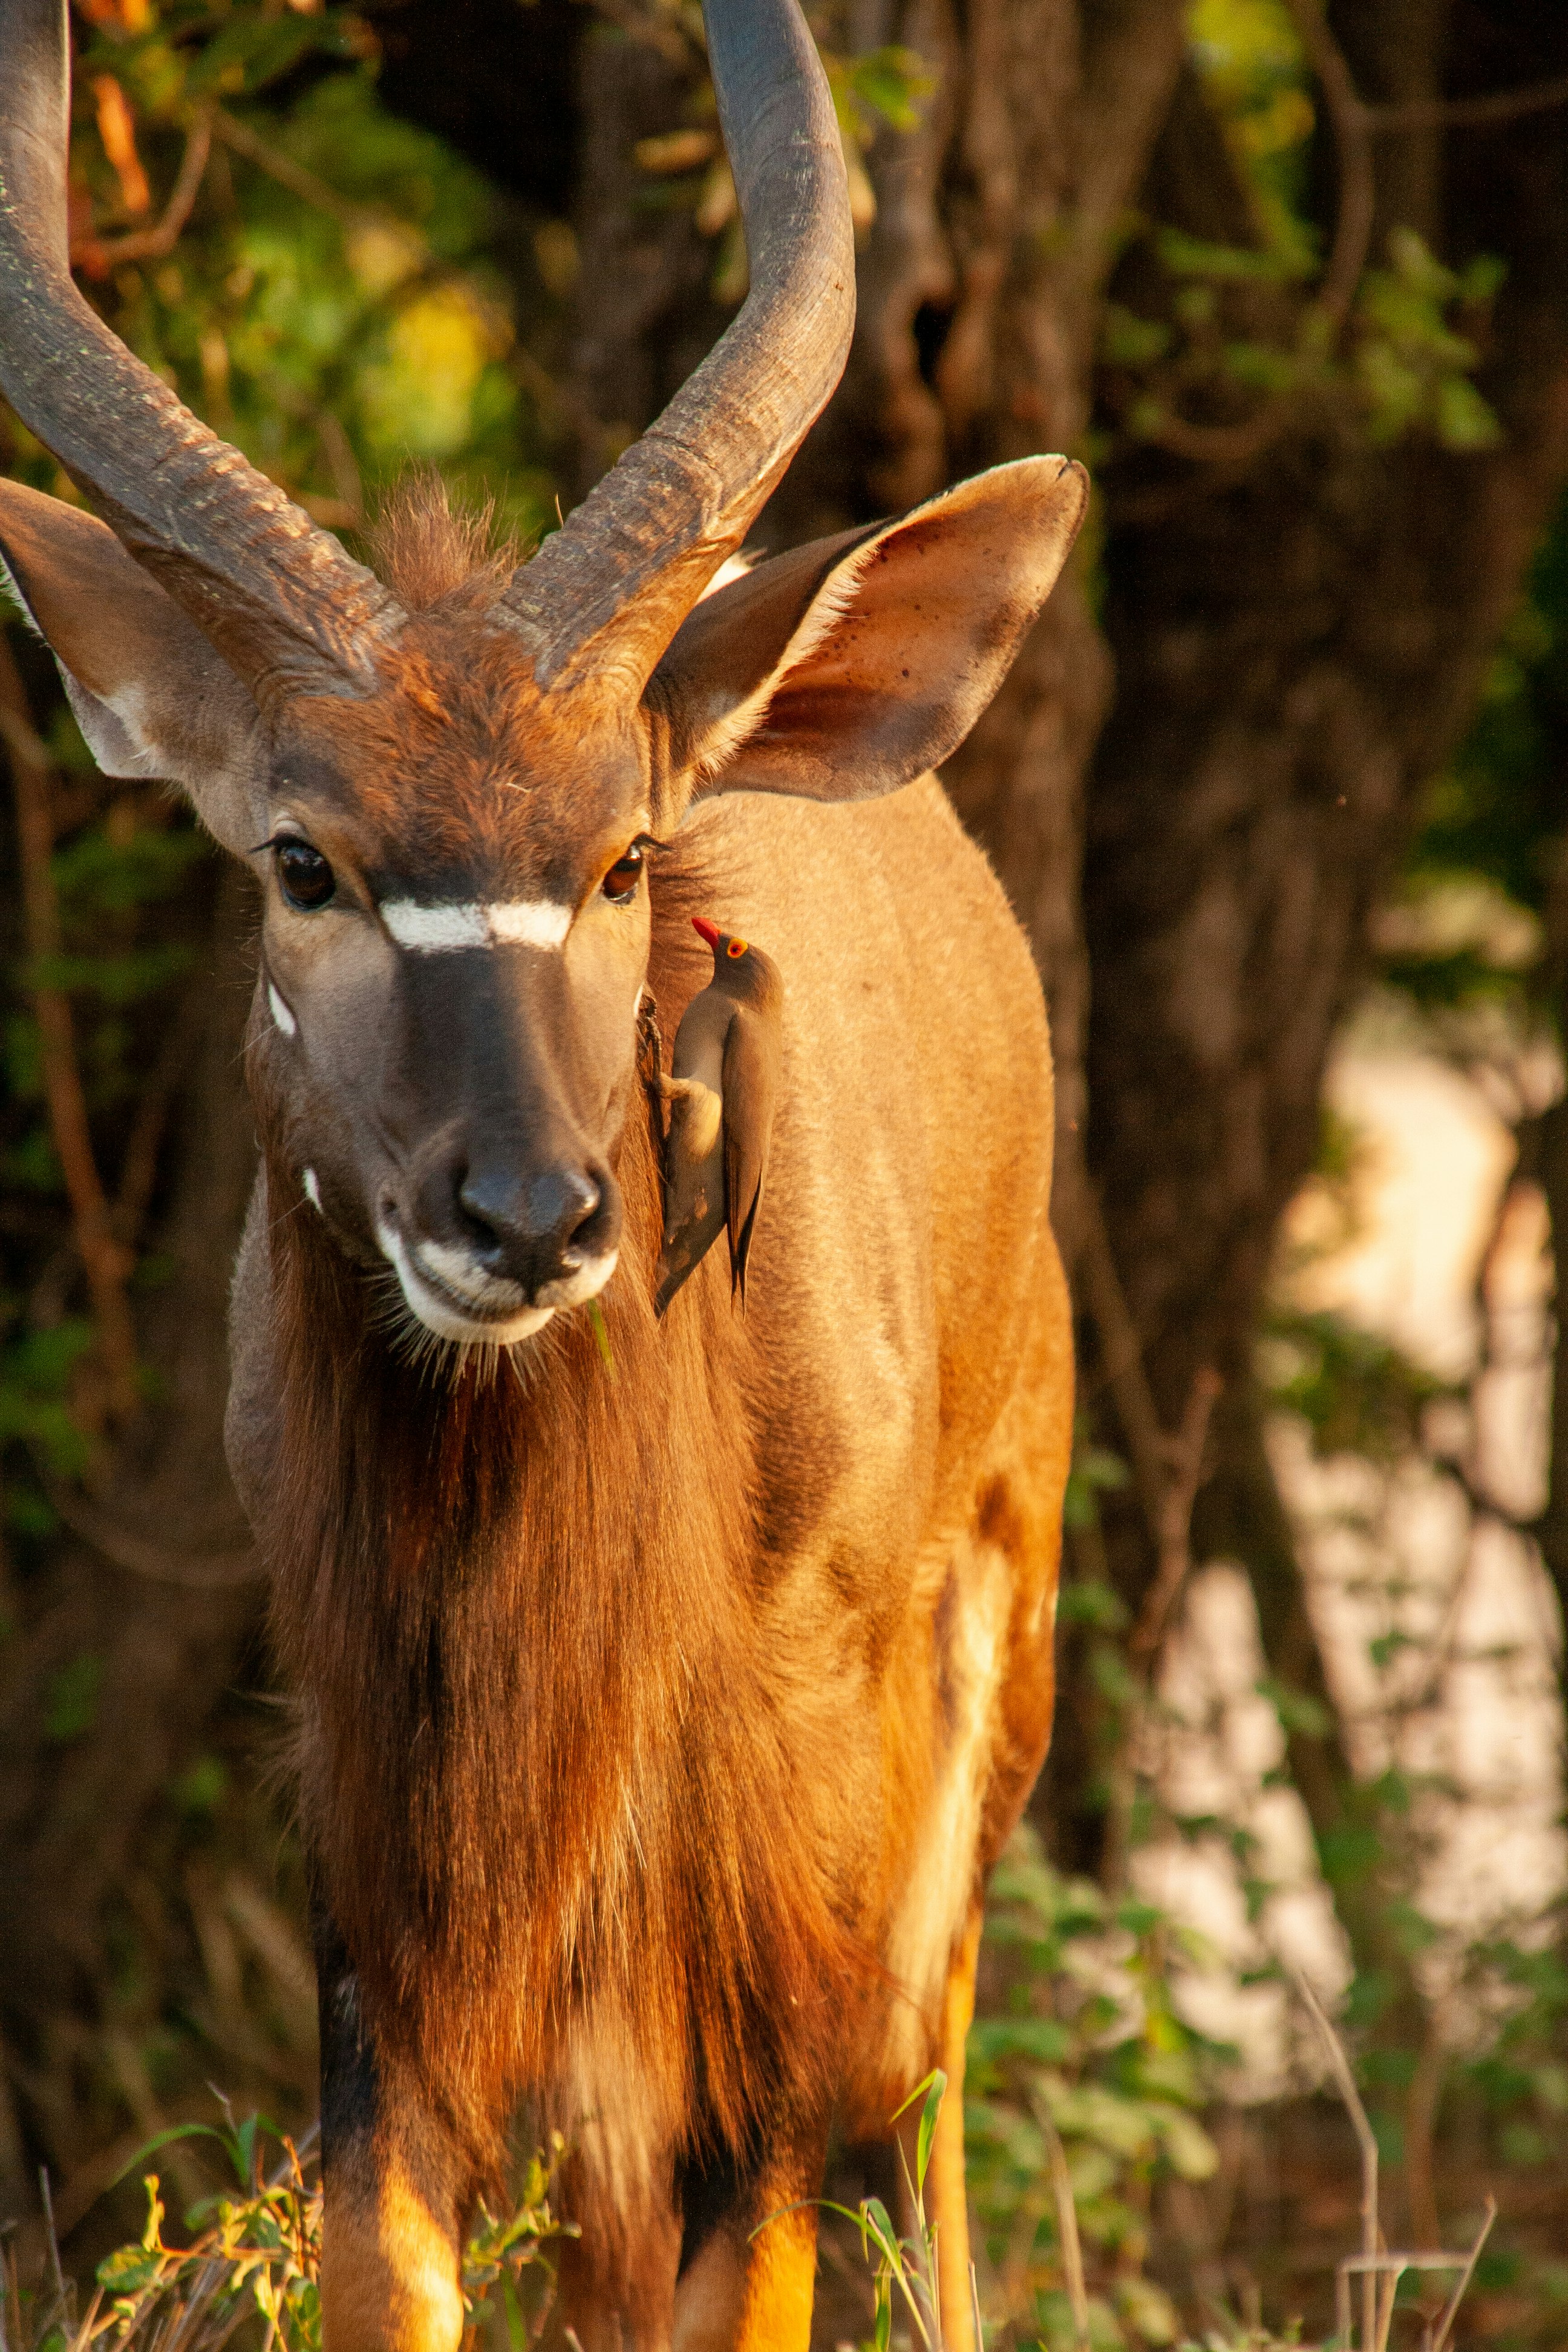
[[607, 592]]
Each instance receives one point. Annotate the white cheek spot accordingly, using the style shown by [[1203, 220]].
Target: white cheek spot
[[637, 1005], [281, 1013], [312, 1190], [444, 930]]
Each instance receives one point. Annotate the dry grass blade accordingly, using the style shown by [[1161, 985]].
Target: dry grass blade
[[1066, 2230], [1345, 2082], [1451, 2308]]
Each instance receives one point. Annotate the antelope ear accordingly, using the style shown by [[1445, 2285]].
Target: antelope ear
[[149, 695], [850, 667]]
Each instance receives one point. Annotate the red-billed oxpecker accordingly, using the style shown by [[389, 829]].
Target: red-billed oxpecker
[[655, 1734], [724, 1082]]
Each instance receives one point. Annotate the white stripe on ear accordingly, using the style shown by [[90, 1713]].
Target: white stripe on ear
[[442, 929]]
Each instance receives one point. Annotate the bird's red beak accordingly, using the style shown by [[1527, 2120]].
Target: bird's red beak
[[705, 930]]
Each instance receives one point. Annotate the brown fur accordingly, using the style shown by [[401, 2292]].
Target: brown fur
[[610, 1756]]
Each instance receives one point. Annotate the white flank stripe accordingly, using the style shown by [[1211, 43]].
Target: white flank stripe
[[440, 930], [281, 1013], [529, 923]]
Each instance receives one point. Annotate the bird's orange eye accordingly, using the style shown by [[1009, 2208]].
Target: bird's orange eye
[[736, 947]]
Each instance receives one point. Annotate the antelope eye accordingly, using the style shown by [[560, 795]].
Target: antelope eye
[[620, 882], [304, 876]]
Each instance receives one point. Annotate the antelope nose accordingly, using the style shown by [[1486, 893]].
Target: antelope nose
[[537, 1230]]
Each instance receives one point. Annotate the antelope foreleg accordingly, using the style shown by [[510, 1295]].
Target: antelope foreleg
[[751, 2284], [393, 2186]]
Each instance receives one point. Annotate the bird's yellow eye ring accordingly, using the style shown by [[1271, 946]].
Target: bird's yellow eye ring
[[736, 947]]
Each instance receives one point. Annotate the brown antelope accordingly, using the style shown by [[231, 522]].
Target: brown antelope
[[660, 1720]]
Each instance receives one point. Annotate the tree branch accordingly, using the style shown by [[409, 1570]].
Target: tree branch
[[96, 255], [106, 1261], [1349, 115], [1460, 113]]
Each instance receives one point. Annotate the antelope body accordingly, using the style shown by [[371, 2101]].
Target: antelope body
[[659, 1725]]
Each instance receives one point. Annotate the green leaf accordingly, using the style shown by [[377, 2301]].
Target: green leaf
[[1465, 420], [161, 2139], [601, 1336], [71, 1700], [929, 2114]]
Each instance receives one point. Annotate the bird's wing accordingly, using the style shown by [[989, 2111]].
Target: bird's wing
[[693, 1151], [751, 1088]]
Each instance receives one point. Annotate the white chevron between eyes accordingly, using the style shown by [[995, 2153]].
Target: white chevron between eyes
[[443, 930]]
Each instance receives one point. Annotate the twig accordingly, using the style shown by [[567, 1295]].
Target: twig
[[1457, 113], [1420, 2119], [1121, 1349], [139, 1168], [54, 2240], [1451, 2308], [1340, 2066], [1352, 231], [293, 176], [198, 1571], [1184, 1454], [151, 243], [105, 1261]]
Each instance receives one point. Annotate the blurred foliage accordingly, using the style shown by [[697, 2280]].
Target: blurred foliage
[[1081, 2047], [1356, 1392], [1252, 334], [1482, 917], [888, 85]]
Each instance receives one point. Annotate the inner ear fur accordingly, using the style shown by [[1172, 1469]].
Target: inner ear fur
[[151, 696], [850, 666]]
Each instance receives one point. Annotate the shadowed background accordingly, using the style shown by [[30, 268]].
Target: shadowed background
[[1277, 789]]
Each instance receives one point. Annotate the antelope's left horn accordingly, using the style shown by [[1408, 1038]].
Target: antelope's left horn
[[277, 595]]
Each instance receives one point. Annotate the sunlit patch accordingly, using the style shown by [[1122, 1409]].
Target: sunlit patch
[[281, 1013]]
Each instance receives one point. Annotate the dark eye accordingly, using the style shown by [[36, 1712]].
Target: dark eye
[[620, 882], [306, 879]]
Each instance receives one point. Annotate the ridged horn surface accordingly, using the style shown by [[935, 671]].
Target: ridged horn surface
[[607, 592], [288, 610]]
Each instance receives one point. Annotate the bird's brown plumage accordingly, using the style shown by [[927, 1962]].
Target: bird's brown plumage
[[721, 1094]]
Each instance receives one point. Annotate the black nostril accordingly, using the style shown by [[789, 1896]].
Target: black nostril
[[560, 1204], [526, 1226]]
